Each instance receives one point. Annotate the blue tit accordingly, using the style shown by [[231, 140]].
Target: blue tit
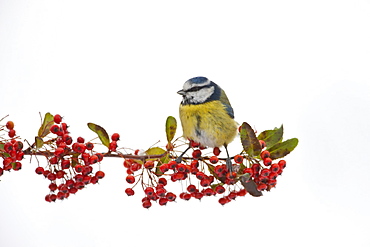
[[206, 115]]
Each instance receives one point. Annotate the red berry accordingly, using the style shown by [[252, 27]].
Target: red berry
[[265, 172], [205, 182], [191, 188], [19, 156], [223, 200], [135, 167], [216, 151], [78, 168], [256, 168], [51, 176], [219, 189], [39, 170], [67, 139], [113, 146], [1, 171], [232, 195], [275, 167], [65, 164], [130, 179], [213, 159], [149, 191], [162, 181], [17, 166], [200, 175], [55, 129], [53, 186], [100, 156], [115, 137], [11, 133], [64, 127], [147, 204], [58, 152], [60, 174], [267, 161], [127, 163], [263, 144], [9, 125], [273, 176], [197, 154], [93, 159], [99, 174], [8, 147], [261, 187], [171, 196], [80, 139], [185, 196], [78, 147], [172, 164], [129, 192], [242, 192], [208, 192], [181, 168], [238, 159], [194, 144], [282, 164], [248, 170], [89, 146], [231, 175], [149, 164], [265, 154], [57, 119], [163, 201], [18, 146], [163, 168]]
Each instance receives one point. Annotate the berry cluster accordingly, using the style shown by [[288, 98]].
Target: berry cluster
[[11, 150], [211, 176], [70, 164]]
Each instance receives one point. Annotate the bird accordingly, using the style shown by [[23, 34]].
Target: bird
[[206, 115]]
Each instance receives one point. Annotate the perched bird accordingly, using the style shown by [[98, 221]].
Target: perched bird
[[206, 115]]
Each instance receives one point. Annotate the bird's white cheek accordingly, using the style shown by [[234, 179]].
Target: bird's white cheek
[[202, 95]]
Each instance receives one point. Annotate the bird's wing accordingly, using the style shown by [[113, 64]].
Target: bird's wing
[[225, 101]]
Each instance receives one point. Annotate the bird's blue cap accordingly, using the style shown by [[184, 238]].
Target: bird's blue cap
[[199, 79]]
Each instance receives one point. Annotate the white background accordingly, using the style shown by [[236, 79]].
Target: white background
[[119, 64]]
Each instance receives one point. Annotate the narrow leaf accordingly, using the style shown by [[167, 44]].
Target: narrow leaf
[[271, 137], [102, 133], [281, 149], [39, 142], [45, 127], [155, 151], [250, 143], [171, 126], [250, 186]]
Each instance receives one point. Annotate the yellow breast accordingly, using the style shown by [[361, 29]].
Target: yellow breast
[[208, 123]]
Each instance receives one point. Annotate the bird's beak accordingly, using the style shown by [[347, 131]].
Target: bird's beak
[[181, 92]]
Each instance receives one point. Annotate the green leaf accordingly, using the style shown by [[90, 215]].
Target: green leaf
[[271, 137], [155, 151], [1, 145], [281, 149], [171, 126], [39, 142], [163, 160], [250, 186], [102, 134], [45, 127], [250, 143], [75, 159]]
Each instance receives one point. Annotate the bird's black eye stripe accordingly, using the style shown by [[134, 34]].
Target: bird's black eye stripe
[[194, 89]]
